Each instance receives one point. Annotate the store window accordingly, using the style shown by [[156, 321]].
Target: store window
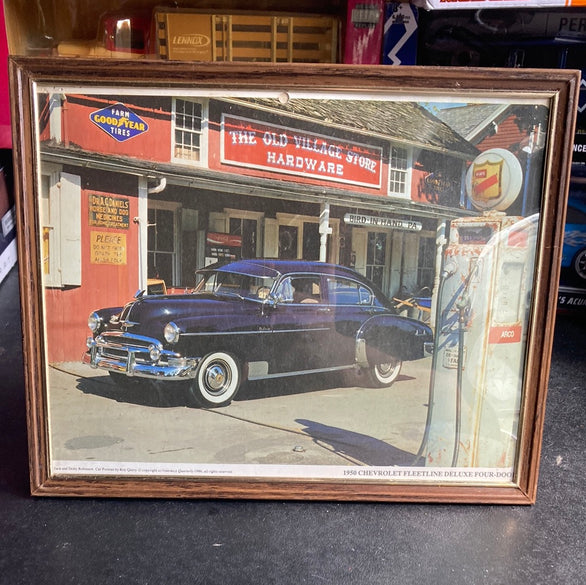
[[398, 170], [426, 263], [189, 123], [288, 238], [246, 230], [376, 254]]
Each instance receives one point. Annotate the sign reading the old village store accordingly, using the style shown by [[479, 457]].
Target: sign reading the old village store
[[287, 150]]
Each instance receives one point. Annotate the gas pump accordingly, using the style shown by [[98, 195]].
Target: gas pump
[[477, 370]]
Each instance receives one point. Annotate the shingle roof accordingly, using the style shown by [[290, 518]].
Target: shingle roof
[[470, 119], [401, 121]]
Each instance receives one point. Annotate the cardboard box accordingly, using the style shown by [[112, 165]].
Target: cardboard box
[[205, 36], [400, 34], [474, 4]]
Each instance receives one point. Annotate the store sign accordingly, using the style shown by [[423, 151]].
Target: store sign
[[110, 212], [119, 122], [504, 334], [494, 180], [107, 248], [279, 149], [218, 239], [219, 245], [388, 223], [487, 4]]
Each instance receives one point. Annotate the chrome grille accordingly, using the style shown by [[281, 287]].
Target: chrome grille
[[121, 345]]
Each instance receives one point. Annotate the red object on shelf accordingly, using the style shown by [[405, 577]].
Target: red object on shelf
[[364, 32], [5, 131]]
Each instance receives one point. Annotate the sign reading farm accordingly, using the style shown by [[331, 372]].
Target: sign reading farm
[[252, 144], [119, 122]]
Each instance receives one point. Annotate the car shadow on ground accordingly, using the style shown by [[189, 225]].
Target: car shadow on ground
[[144, 392], [356, 447], [290, 385]]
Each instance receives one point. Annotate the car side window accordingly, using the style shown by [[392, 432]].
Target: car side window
[[300, 289], [342, 291]]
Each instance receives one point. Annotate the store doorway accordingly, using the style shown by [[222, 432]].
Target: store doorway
[[311, 241], [376, 257], [163, 242]]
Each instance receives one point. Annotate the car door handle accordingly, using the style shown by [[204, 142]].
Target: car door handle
[[323, 310]]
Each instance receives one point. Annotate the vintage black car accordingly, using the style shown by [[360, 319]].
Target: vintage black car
[[256, 319]]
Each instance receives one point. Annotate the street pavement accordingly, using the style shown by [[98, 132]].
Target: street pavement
[[306, 420]]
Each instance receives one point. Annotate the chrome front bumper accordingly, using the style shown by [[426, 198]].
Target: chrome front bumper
[[135, 355]]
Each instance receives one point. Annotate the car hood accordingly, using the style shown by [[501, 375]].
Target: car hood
[[144, 314]]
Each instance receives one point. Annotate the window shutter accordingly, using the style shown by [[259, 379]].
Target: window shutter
[[70, 240]]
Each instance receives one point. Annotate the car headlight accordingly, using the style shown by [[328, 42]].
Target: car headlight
[[171, 333], [93, 322]]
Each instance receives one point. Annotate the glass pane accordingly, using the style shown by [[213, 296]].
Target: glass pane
[[164, 230]]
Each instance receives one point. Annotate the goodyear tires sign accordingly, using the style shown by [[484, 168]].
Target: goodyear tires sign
[[119, 122]]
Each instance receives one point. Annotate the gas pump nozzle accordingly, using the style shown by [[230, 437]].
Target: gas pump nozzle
[[463, 305], [448, 270]]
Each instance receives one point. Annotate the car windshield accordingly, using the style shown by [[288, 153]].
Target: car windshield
[[235, 284]]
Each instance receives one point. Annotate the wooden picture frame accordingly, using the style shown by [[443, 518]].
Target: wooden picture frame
[[133, 176]]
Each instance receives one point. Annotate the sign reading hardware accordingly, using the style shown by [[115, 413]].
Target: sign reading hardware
[[382, 222], [119, 122], [253, 144], [108, 211]]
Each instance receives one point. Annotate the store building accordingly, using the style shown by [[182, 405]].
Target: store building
[[159, 186]]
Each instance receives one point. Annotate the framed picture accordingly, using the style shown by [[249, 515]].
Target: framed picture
[[292, 282]]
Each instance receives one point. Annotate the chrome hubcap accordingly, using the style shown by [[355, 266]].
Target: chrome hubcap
[[385, 369], [217, 378]]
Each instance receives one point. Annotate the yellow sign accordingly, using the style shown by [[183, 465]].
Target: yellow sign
[[486, 180], [108, 211], [108, 248]]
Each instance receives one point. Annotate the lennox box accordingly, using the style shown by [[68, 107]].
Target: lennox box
[[203, 36]]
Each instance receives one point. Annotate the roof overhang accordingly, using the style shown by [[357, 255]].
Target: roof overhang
[[245, 185]]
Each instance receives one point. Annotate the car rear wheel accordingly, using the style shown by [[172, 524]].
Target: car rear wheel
[[217, 380], [580, 265], [385, 374]]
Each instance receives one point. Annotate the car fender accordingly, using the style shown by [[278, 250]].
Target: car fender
[[384, 336], [107, 313]]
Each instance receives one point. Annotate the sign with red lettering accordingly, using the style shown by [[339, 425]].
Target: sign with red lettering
[[279, 149], [216, 239]]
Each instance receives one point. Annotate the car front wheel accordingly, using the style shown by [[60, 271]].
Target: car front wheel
[[385, 374], [217, 380]]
